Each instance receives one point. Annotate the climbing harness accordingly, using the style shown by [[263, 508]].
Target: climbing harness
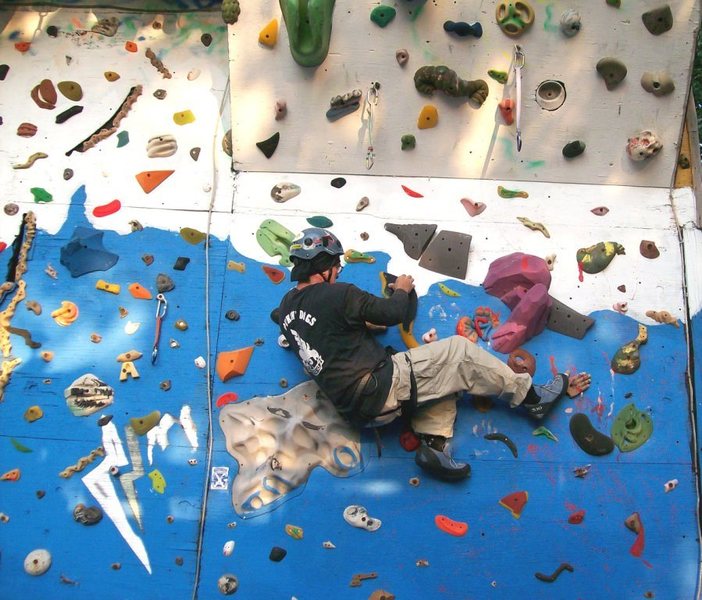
[[161, 307], [519, 60], [371, 101]]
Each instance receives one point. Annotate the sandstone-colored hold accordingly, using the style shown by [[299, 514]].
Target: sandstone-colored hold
[[111, 75], [280, 109], [160, 94], [658, 83], [284, 191], [612, 70], [362, 203], [644, 145], [33, 413], [193, 74], [659, 20], [428, 117], [71, 90], [161, 146]]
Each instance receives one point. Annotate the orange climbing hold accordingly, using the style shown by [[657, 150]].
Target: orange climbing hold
[[150, 180], [269, 34], [139, 291], [13, 475], [515, 503], [275, 275], [130, 46], [233, 363], [428, 117], [457, 528], [22, 46]]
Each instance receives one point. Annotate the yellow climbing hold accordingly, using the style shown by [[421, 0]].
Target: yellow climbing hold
[[183, 117], [158, 481], [111, 76], [294, 531], [192, 236], [269, 34], [233, 265], [428, 117], [448, 291], [105, 286], [354, 256]]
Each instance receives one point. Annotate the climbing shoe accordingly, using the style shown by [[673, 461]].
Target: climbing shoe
[[439, 463], [548, 394]]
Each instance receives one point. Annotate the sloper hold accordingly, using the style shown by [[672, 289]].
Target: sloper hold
[[447, 254], [233, 363], [414, 238], [588, 438], [565, 320], [659, 20]]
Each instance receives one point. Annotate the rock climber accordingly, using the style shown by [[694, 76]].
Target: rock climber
[[327, 324]]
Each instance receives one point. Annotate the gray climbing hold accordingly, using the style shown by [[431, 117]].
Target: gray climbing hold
[[195, 153], [573, 149], [565, 320], [414, 238], [613, 71], [659, 20], [447, 254], [657, 83], [164, 283]]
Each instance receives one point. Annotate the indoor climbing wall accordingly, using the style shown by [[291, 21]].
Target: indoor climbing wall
[[155, 439], [595, 75]]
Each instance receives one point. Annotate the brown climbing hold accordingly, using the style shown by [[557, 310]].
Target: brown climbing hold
[[33, 413], [44, 94], [150, 180], [381, 595], [26, 130], [233, 363], [111, 76], [522, 361], [649, 249]]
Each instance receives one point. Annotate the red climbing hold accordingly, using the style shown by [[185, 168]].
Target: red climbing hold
[[577, 517], [409, 440], [22, 46], [275, 275], [515, 503], [457, 528], [107, 209], [411, 193], [226, 398], [3, 245]]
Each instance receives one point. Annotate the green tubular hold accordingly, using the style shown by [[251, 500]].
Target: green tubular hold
[[309, 24]]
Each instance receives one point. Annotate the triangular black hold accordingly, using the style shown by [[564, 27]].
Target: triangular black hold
[[447, 254], [268, 146], [565, 320], [414, 238]]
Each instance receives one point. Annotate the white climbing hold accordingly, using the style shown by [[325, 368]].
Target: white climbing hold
[[358, 517]]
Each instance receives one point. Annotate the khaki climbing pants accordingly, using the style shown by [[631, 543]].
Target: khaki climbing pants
[[443, 370]]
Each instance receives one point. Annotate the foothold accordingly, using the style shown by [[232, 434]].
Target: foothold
[[67, 174], [358, 516], [631, 428], [280, 109], [227, 584], [268, 146], [573, 149], [33, 413], [455, 528], [570, 23], [634, 523], [408, 142], [545, 432], [23, 47], [11, 209], [621, 307], [294, 531], [506, 107], [164, 283], [499, 76], [551, 94], [503, 192], [576, 517], [501, 437], [428, 117], [180, 263], [588, 438], [275, 275], [613, 71], [30, 161], [615, 3], [161, 146], [111, 76], [192, 236], [448, 291], [165, 385], [95, 338], [515, 503], [226, 398], [597, 257], [550, 261], [107, 209], [268, 36], [277, 554], [534, 226], [233, 363], [193, 74], [658, 83], [382, 15], [41, 196], [47, 355], [463, 29], [195, 153], [354, 256], [37, 562], [122, 139], [160, 94], [239, 267], [320, 221], [669, 486], [662, 316], [429, 78], [401, 56], [514, 18], [411, 193], [309, 30], [228, 548], [658, 20], [643, 145], [71, 90], [648, 249], [184, 117], [362, 203], [206, 39], [148, 259], [150, 180], [87, 515], [430, 336], [4, 70], [551, 578], [139, 291], [284, 191], [338, 182], [600, 211], [181, 325]]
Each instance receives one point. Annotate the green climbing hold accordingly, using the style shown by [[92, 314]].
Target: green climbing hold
[[382, 15], [408, 141], [595, 258], [275, 240], [320, 221], [615, 3], [268, 146], [631, 428], [309, 26], [499, 76], [41, 195], [230, 11], [192, 236], [627, 359], [122, 138], [142, 425], [547, 433], [573, 149]]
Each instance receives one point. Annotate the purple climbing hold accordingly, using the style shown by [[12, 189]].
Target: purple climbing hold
[[509, 277], [527, 320]]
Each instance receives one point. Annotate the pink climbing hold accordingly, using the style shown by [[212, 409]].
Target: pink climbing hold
[[107, 209]]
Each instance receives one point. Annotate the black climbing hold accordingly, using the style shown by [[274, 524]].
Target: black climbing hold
[[68, 113], [338, 182], [4, 69], [447, 254], [104, 420], [206, 39], [588, 438], [180, 263], [268, 146], [463, 29], [565, 320], [414, 238], [52, 31], [277, 553], [573, 149], [232, 315], [195, 153]]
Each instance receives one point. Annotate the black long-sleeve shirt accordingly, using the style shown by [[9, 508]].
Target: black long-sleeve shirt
[[326, 325]]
